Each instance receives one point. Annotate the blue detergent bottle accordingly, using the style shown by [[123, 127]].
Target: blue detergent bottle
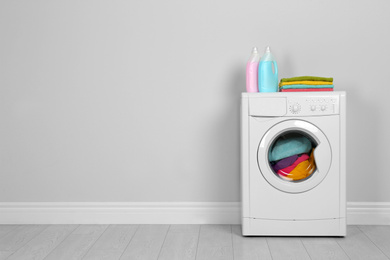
[[268, 76]]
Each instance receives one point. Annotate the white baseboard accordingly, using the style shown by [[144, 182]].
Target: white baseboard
[[120, 213], [358, 213], [368, 213]]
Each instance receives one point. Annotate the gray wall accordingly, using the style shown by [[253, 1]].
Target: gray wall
[[139, 100]]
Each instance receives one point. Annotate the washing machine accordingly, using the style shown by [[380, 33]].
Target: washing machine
[[277, 203]]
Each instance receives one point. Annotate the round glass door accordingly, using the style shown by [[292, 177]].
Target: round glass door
[[294, 156]]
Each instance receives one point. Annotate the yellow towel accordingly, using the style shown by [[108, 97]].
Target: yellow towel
[[306, 82]]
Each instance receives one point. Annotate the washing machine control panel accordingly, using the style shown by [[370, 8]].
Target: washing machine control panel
[[313, 105]]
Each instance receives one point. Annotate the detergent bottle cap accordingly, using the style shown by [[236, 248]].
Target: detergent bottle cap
[[267, 55], [255, 56]]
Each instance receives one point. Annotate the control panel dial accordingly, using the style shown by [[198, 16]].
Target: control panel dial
[[295, 108]]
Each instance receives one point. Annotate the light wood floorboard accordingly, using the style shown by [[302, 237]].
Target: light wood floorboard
[[77, 244], [322, 248], [146, 243], [5, 229], [380, 236], [41, 245], [249, 248], [180, 243], [112, 243], [183, 242], [215, 242], [5, 254], [287, 248], [17, 238], [358, 246]]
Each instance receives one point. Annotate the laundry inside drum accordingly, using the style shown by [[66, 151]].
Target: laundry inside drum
[[291, 156]]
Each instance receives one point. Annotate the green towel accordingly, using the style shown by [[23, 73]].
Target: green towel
[[312, 78]]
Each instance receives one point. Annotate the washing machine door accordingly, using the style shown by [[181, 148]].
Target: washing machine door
[[308, 142]]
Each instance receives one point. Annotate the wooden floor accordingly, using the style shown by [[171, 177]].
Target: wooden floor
[[170, 242]]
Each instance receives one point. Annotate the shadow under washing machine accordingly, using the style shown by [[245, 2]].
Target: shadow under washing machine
[[293, 173]]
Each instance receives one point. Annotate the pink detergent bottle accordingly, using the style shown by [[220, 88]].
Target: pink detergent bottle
[[252, 72]]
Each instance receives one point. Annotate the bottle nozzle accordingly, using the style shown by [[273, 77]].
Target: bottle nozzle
[[254, 50], [267, 49]]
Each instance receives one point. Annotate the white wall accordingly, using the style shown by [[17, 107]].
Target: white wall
[[129, 101]]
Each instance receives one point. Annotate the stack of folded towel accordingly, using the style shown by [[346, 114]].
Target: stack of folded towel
[[306, 83], [292, 157]]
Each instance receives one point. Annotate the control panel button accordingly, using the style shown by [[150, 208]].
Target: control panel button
[[323, 108], [313, 108]]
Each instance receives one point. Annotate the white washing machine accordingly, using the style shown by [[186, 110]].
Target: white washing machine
[[274, 203]]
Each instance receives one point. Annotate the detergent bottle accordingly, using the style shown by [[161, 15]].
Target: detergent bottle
[[252, 71], [268, 73]]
